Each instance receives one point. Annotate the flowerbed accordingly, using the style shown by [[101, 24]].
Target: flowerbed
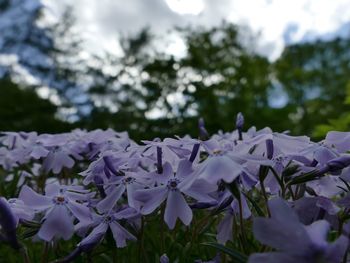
[[254, 196]]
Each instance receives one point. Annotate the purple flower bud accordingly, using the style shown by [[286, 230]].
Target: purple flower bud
[[84, 246], [159, 160], [239, 125], [194, 152], [203, 205], [269, 148], [99, 185], [203, 133], [225, 203], [339, 163], [164, 259], [313, 163], [8, 223], [239, 121]]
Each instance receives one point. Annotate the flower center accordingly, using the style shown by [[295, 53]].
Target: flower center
[[60, 200], [217, 152], [172, 184], [108, 219], [128, 180]]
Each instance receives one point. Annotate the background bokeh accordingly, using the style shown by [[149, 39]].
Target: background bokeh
[[153, 68]]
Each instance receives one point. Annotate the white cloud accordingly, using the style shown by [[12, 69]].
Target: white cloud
[[102, 21]]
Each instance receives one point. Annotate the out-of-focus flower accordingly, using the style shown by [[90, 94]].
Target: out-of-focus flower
[[8, 223], [294, 241]]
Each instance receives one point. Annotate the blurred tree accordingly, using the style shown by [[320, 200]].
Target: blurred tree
[[315, 76], [23, 110], [152, 94], [39, 53]]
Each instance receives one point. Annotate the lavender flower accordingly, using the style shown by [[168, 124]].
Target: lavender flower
[[8, 223], [60, 207], [172, 190], [293, 241], [110, 220]]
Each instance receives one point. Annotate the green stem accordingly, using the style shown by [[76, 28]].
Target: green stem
[[241, 224], [24, 253], [44, 256], [162, 241], [140, 248], [262, 186]]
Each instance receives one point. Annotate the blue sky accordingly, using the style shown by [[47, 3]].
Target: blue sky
[[276, 22]]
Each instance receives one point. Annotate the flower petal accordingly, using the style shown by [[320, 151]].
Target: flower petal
[[176, 207], [34, 200], [111, 199], [120, 234], [58, 223]]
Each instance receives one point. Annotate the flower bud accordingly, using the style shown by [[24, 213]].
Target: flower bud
[[269, 149], [203, 133], [338, 163], [8, 223], [239, 125]]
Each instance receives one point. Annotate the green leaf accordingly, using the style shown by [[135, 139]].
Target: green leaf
[[236, 256], [233, 188], [303, 178]]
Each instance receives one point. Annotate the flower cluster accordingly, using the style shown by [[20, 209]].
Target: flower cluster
[[255, 195]]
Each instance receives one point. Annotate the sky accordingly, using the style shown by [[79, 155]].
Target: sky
[[275, 22]]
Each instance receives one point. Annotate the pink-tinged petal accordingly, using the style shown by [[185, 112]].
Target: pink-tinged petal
[[81, 212], [58, 224], [111, 199], [177, 207], [151, 198], [34, 200], [120, 234]]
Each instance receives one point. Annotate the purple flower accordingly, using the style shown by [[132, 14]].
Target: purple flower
[[60, 207], [224, 228], [339, 140], [58, 158], [226, 164], [172, 190], [115, 188], [110, 220], [294, 241], [8, 223], [20, 210], [164, 259]]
